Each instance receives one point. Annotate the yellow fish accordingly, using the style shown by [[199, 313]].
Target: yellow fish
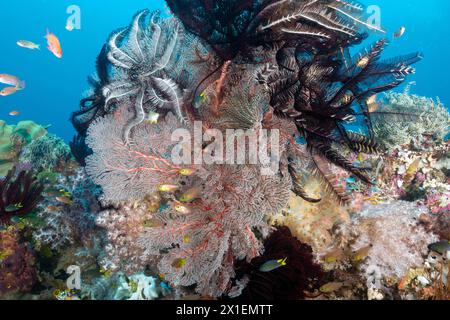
[[152, 118], [153, 223], [182, 209], [412, 169], [186, 239], [64, 200], [331, 287], [359, 255], [273, 265], [360, 157], [363, 62], [170, 188], [191, 194], [334, 255], [187, 172], [179, 263]]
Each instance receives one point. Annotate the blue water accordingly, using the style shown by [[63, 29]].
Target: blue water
[[54, 87]]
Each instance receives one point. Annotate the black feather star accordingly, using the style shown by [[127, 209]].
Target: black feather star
[[20, 192], [93, 106]]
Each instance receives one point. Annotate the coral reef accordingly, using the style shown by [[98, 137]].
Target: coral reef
[[17, 263], [142, 225], [47, 153], [428, 128], [304, 84], [68, 212]]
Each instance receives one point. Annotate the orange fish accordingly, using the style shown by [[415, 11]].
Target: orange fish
[[8, 91], [14, 113], [54, 45]]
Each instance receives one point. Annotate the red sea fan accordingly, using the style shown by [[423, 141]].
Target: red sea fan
[[285, 283]]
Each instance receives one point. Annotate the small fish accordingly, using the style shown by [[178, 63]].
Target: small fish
[[54, 45], [153, 223], [169, 188], [107, 273], [53, 209], [400, 32], [28, 45], [412, 169], [347, 98], [334, 256], [440, 247], [359, 255], [187, 172], [363, 62], [14, 207], [51, 193], [12, 81], [14, 113], [178, 263], [372, 103], [65, 193], [360, 157], [152, 118], [182, 209], [200, 99], [273, 265], [64, 200], [186, 239], [331, 287], [191, 194], [8, 91]]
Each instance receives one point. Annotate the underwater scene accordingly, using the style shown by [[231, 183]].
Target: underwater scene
[[231, 150]]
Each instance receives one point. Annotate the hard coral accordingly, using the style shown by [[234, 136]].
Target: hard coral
[[285, 283], [13, 138]]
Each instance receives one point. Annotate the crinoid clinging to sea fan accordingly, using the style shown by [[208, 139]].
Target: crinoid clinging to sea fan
[[281, 66], [327, 91], [237, 26]]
